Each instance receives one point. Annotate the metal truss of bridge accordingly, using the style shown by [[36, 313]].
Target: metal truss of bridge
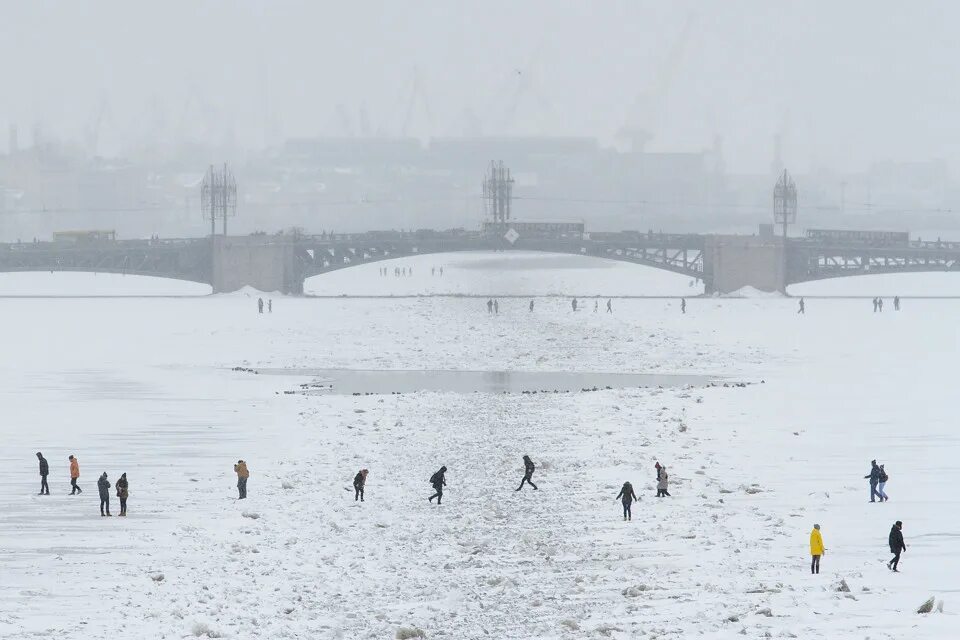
[[818, 260]]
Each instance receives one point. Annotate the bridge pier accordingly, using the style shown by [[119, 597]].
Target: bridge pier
[[264, 262], [733, 262]]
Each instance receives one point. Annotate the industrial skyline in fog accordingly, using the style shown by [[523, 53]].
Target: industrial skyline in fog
[[120, 80]]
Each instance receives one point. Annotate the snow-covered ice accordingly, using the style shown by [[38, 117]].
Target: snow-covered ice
[[146, 386]]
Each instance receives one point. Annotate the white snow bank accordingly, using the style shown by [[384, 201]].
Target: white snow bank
[[71, 283], [751, 292]]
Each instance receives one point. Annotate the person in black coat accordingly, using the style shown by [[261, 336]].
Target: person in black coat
[[528, 469], [627, 496], [438, 481], [897, 545], [44, 472], [874, 477], [103, 486], [359, 482]]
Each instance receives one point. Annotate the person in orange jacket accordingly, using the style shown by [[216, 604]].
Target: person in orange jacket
[[74, 474], [242, 474], [816, 548]]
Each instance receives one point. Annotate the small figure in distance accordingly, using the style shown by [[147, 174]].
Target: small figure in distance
[[259, 305], [816, 549], [44, 472], [662, 483], [438, 481], [270, 305], [490, 305], [242, 475], [596, 306], [609, 305], [359, 482], [574, 304], [496, 306], [528, 469], [803, 309], [103, 486], [74, 475], [896, 303], [123, 492], [531, 306], [627, 496], [874, 477], [683, 305], [897, 545]]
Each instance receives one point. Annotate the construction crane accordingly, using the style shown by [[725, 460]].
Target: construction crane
[[415, 95], [642, 115]]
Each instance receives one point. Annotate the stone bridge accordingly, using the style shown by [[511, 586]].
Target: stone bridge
[[724, 263]]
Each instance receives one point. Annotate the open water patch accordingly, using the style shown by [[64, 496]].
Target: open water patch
[[389, 381]]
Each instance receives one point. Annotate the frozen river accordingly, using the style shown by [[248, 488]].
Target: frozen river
[[146, 387]]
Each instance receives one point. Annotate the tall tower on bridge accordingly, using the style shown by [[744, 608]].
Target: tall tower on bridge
[[218, 197], [498, 193], [785, 202]]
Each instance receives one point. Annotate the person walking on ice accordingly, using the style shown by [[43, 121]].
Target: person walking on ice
[[874, 477], [44, 472], [259, 305], [359, 481], [103, 486], [609, 305], [574, 304], [662, 483], [683, 306], [816, 549], [123, 492], [242, 475], [438, 481], [528, 469], [897, 545], [596, 306], [627, 496], [270, 305], [880, 485], [531, 306], [803, 308], [74, 475]]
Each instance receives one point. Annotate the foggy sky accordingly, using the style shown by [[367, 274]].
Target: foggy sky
[[844, 83]]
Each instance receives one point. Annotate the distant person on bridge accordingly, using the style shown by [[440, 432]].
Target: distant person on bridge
[[260, 305], [816, 549], [803, 308], [609, 305], [874, 477], [438, 481], [683, 305], [574, 304], [627, 496], [896, 303], [44, 472], [528, 469], [490, 305], [359, 482], [74, 475], [531, 306]]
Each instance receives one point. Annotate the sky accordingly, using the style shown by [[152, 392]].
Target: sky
[[843, 84]]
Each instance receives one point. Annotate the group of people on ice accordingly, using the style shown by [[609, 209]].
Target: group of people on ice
[[895, 540], [103, 484], [627, 495], [878, 304], [260, 305]]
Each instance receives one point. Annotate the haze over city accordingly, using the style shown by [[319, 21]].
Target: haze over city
[[844, 84]]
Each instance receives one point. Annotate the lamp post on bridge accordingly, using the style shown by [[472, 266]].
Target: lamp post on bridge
[[218, 197], [785, 213]]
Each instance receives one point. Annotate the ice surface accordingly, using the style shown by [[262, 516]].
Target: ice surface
[[145, 386]]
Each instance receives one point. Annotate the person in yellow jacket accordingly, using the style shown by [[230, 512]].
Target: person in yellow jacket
[[242, 474], [816, 548]]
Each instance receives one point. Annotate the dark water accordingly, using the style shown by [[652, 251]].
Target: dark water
[[354, 381]]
